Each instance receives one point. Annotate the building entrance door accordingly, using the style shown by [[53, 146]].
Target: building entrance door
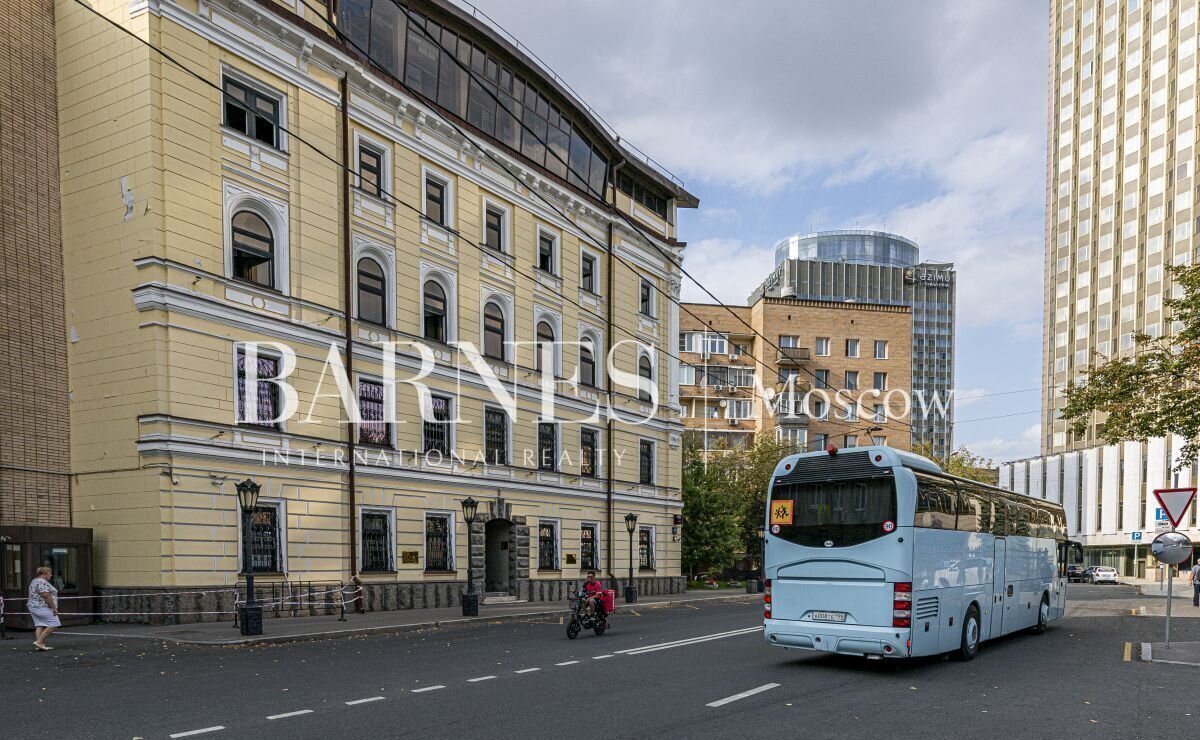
[[497, 534]]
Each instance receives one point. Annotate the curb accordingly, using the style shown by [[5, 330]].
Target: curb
[[395, 628]]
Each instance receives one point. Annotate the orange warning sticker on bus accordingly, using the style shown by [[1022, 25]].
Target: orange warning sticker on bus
[[781, 512]]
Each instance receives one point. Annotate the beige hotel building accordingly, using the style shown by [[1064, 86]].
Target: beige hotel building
[[1121, 206], [492, 207]]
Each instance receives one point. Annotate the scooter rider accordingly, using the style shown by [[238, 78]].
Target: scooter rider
[[593, 591]]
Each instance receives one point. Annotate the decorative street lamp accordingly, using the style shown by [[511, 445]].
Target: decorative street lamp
[[762, 553], [251, 613], [630, 589], [470, 600]]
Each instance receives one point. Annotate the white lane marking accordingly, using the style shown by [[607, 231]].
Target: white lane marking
[[527, 670], [569, 662], [189, 733], [689, 641], [368, 700], [481, 678], [285, 715], [428, 688], [743, 695], [1146, 654], [600, 657]]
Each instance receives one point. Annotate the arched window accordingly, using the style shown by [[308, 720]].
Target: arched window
[[253, 249], [435, 311], [587, 363], [543, 345], [647, 372], [372, 292], [493, 331]]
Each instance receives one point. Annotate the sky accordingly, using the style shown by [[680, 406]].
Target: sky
[[926, 118]]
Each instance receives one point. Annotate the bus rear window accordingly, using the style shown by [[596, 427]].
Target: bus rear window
[[840, 512]]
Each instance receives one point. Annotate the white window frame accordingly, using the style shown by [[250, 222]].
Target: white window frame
[[556, 257], [449, 283], [386, 258], [363, 141], [653, 461], [505, 302], [596, 274], [452, 531], [236, 197], [592, 334], [505, 228], [880, 413], [644, 281], [649, 353], [280, 517], [879, 440], [597, 542], [884, 342], [817, 347], [857, 347], [540, 314], [266, 91], [390, 511], [447, 183], [557, 543]]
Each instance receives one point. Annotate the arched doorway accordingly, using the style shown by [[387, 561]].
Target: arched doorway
[[498, 552]]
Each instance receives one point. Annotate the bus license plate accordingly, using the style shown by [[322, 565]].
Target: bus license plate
[[829, 616]]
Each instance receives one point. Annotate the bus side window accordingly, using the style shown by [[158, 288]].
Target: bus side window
[[935, 503], [969, 510]]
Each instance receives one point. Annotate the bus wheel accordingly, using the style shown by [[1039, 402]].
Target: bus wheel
[[970, 635], [1043, 615]]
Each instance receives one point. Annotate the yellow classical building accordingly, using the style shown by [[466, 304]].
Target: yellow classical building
[[324, 180]]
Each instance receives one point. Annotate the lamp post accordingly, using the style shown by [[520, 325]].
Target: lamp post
[[630, 589], [250, 612], [470, 600], [762, 554]]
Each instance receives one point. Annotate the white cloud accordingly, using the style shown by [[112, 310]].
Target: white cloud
[[730, 268], [999, 449], [965, 397]]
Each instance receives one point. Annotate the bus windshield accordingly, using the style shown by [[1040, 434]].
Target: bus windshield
[[843, 513]]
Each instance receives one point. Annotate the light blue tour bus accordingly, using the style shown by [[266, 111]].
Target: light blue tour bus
[[876, 552]]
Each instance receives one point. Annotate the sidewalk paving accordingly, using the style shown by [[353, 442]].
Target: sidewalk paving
[[1180, 653], [289, 629]]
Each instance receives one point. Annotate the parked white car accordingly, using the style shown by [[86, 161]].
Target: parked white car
[[1100, 574]]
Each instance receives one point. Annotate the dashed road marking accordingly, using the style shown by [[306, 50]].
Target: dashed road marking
[[285, 715], [743, 695], [634, 613], [428, 688], [600, 657], [1128, 651], [688, 641], [368, 700], [201, 731], [527, 670], [568, 662], [480, 678]]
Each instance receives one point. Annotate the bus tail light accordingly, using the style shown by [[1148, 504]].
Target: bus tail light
[[767, 598], [902, 605]]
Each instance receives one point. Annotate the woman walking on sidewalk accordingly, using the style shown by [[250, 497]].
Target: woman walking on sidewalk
[[43, 606]]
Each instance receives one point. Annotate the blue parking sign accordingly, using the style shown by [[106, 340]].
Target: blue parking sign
[[1160, 515], [1137, 536]]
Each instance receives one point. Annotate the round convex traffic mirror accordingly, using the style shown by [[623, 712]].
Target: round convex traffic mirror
[[1171, 548]]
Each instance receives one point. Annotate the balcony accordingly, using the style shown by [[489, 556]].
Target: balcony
[[793, 355]]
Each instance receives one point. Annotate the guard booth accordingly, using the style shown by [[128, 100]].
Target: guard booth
[[68, 550]]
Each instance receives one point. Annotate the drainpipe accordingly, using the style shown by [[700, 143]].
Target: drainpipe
[[347, 318], [612, 524]]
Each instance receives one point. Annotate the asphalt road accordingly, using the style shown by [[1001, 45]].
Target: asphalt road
[[686, 672]]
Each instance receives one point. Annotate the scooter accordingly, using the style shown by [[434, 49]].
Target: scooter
[[580, 620]]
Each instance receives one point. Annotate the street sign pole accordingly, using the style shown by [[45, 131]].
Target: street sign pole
[[1170, 598], [1172, 548]]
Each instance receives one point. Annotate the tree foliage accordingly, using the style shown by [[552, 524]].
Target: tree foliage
[[1151, 392], [961, 462]]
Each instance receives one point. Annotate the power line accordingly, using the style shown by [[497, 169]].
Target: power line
[[1000, 393], [1000, 416]]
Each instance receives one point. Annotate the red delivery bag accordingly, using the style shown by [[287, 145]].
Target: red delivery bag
[[610, 600]]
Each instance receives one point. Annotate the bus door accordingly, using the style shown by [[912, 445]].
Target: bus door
[[998, 586]]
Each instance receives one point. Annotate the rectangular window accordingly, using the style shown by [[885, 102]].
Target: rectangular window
[[546, 253], [822, 346], [646, 462], [851, 380], [495, 436], [547, 545], [547, 446], [852, 348], [880, 382], [589, 547], [646, 548], [822, 378], [374, 429], [376, 541], [493, 229], [646, 298], [370, 170], [435, 200], [436, 426], [587, 452], [716, 344], [266, 552], [13, 571], [266, 405], [881, 349], [851, 440], [587, 274], [438, 552], [879, 441], [687, 375], [788, 341], [251, 112], [880, 413]]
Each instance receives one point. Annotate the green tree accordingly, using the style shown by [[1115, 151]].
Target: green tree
[[710, 512], [962, 462], [1152, 391]]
